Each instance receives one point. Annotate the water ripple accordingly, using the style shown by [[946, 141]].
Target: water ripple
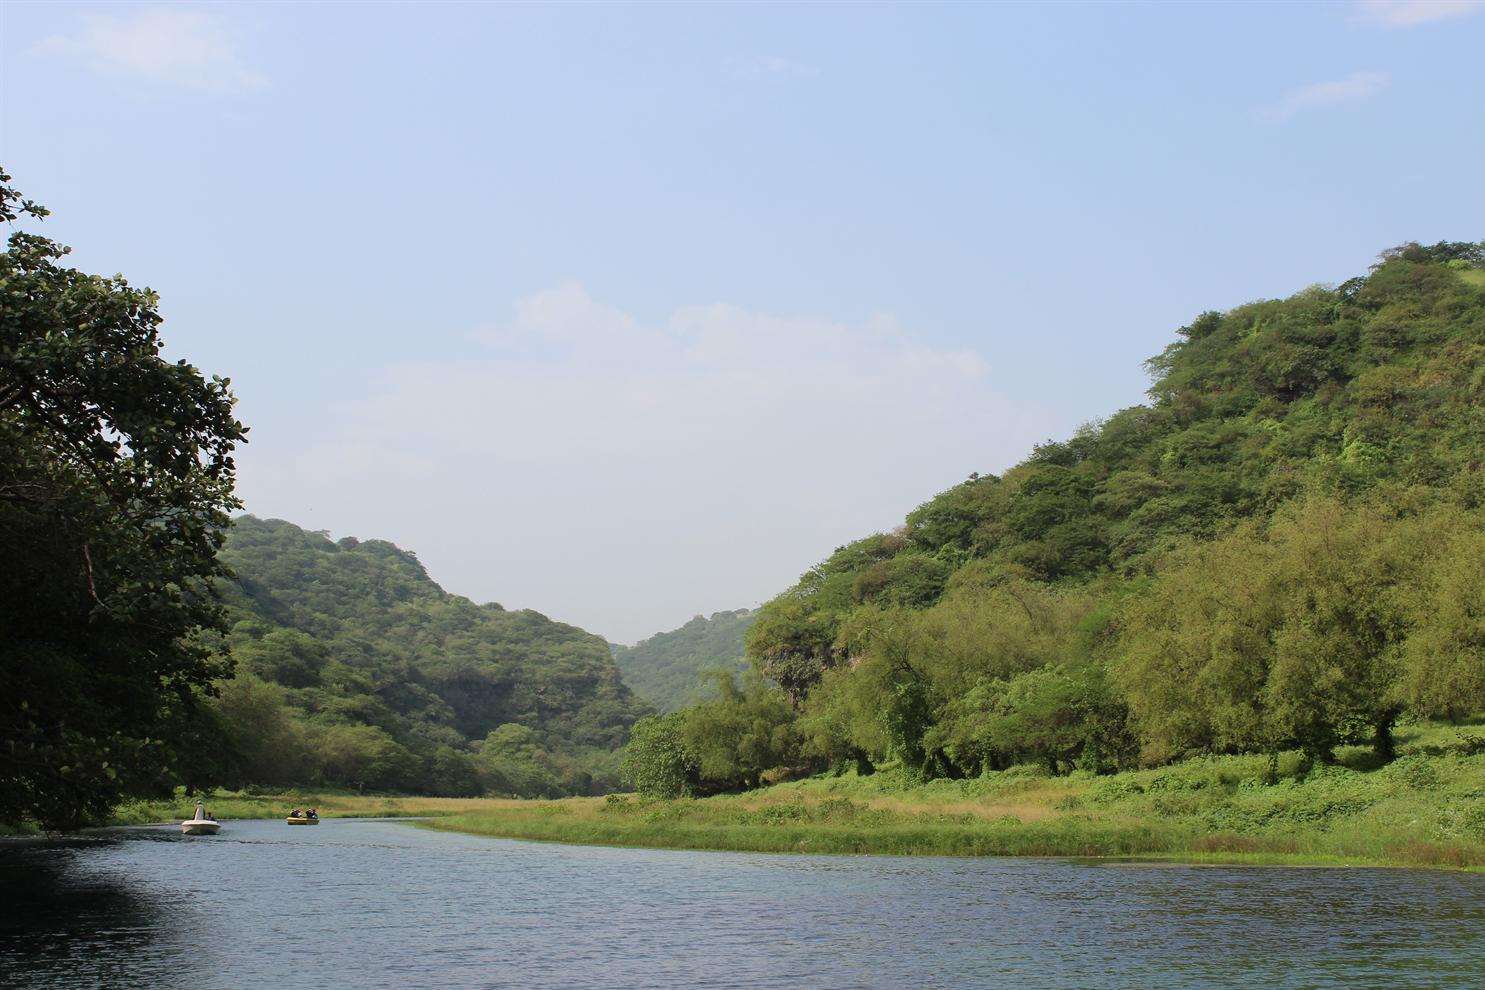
[[380, 904]]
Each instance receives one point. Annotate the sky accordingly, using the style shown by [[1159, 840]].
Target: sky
[[627, 314]]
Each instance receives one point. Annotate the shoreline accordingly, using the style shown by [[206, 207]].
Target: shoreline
[[1423, 810], [863, 845], [967, 845], [1144, 860]]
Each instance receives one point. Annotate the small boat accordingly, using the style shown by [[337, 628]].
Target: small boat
[[303, 819], [201, 823]]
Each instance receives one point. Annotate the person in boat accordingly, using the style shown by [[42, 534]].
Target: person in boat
[[312, 814], [296, 813]]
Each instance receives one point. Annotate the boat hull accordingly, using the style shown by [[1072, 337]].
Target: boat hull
[[302, 821], [200, 828]]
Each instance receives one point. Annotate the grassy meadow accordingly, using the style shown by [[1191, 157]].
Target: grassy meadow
[[1425, 809]]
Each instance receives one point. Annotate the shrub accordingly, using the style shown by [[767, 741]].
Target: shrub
[[655, 761]]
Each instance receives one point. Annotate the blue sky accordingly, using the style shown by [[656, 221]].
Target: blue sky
[[629, 313]]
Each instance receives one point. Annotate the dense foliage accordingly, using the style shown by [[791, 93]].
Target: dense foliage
[[1283, 550], [724, 744], [355, 669], [116, 478], [670, 669], [1421, 809]]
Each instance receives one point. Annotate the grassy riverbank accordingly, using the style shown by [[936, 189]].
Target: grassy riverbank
[[1425, 809]]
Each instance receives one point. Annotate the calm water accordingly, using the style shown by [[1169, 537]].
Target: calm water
[[384, 904]]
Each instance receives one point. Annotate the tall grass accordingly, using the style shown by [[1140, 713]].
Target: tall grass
[[1427, 808]]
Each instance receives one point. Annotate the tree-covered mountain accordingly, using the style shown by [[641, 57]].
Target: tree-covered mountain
[[1283, 549], [354, 668], [671, 669]]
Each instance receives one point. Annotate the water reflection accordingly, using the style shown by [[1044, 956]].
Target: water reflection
[[81, 926], [377, 904]]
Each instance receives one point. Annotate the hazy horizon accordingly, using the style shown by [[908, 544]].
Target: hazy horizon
[[630, 314]]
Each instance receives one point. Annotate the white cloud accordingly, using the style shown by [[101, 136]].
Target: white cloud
[[174, 45], [1354, 88], [757, 66], [1409, 13], [626, 476]]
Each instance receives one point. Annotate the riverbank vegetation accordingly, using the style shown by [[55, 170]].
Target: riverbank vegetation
[[1284, 551], [1425, 809], [116, 484]]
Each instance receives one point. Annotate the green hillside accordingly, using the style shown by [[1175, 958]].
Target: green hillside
[[1281, 551], [355, 669], [670, 669]]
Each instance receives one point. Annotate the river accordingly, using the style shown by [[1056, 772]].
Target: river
[[376, 903]]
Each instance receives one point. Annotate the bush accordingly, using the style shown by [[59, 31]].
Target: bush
[[733, 740], [656, 762]]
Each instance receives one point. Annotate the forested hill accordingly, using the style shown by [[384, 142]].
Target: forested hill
[[355, 668], [1374, 387], [670, 669], [1284, 549]]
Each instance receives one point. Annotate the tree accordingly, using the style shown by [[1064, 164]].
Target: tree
[[745, 731], [452, 774], [116, 480], [1444, 656], [791, 644], [284, 656], [266, 745], [366, 758], [511, 760], [911, 579], [656, 762], [1267, 638], [1062, 716]]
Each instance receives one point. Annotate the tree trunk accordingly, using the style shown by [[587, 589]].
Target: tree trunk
[[1383, 743]]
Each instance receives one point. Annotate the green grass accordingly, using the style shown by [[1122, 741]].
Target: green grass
[[1474, 276], [1425, 809]]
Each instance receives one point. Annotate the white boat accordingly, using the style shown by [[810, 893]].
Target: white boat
[[200, 824]]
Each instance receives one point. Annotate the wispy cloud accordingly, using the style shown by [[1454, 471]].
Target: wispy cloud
[[1355, 88], [759, 66], [1410, 13], [173, 45]]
